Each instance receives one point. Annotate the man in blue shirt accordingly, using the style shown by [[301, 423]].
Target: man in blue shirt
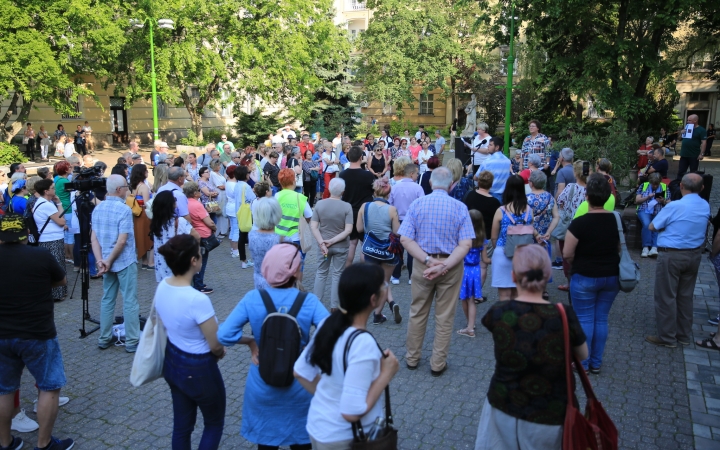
[[682, 225], [499, 165]]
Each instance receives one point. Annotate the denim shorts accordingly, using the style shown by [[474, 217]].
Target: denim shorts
[[42, 358], [68, 234]]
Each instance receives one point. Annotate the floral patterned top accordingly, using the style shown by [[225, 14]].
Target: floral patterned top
[[398, 152], [529, 381], [571, 204], [210, 186], [463, 187], [542, 207]]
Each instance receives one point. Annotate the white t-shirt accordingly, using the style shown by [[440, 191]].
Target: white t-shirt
[[478, 157], [423, 157], [69, 150], [230, 209], [342, 393], [44, 209], [182, 310], [277, 139], [331, 168], [75, 225]]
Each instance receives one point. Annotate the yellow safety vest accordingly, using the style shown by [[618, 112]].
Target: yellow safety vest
[[292, 205]]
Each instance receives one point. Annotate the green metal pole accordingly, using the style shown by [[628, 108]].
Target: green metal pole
[[156, 130], [508, 87]]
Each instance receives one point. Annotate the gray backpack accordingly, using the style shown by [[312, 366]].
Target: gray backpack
[[629, 269]]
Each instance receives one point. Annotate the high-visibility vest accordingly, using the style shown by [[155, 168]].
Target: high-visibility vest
[[292, 205], [645, 186]]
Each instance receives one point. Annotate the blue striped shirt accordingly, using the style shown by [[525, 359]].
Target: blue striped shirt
[[437, 222], [499, 165]]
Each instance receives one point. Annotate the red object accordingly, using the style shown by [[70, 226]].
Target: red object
[[594, 430], [305, 147], [525, 175], [643, 159], [328, 178], [564, 288]]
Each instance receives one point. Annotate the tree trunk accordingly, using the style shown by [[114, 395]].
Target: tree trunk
[[195, 114], [454, 99], [9, 131]]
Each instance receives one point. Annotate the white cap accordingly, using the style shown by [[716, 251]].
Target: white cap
[[163, 144]]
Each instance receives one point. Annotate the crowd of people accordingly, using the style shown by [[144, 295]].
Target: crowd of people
[[373, 200]]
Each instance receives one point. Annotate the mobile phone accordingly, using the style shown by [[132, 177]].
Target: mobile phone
[[660, 195], [586, 168]]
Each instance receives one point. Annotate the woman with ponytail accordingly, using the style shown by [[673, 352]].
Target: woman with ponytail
[[345, 395], [525, 403]]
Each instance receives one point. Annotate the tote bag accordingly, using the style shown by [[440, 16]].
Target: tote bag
[[566, 216], [306, 238], [629, 269], [150, 355], [244, 215]]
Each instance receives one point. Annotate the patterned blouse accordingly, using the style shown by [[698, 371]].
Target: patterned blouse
[[529, 381], [571, 204], [542, 207], [210, 186], [540, 145]]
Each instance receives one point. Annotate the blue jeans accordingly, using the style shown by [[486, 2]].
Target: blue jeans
[[592, 299], [234, 230], [42, 358], [195, 382], [649, 238], [498, 196], [126, 282], [199, 278]]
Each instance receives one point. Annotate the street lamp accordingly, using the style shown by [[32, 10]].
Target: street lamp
[[508, 86], [167, 24]]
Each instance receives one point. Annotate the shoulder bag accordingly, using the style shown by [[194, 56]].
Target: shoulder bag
[[314, 175], [518, 234], [629, 274], [131, 201], [244, 215], [373, 246], [566, 216], [210, 243], [306, 237], [148, 361], [594, 430], [381, 435]]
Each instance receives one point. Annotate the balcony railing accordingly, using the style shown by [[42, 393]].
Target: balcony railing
[[353, 5]]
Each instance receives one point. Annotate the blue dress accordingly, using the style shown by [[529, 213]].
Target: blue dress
[[471, 285], [272, 416]]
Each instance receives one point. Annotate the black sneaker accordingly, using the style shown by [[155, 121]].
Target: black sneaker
[[15, 444], [378, 319], [57, 444], [206, 290], [714, 320], [557, 265]]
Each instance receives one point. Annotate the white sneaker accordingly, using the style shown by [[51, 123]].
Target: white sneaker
[[61, 401], [235, 254], [23, 423], [653, 252], [394, 280], [246, 265], [645, 252], [409, 281]]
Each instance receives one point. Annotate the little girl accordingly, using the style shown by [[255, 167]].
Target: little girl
[[471, 288]]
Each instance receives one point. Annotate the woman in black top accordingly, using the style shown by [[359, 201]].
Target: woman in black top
[[378, 163], [592, 248], [710, 139], [432, 164], [527, 397], [481, 200], [271, 171]]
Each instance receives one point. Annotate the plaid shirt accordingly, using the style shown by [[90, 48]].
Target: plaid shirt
[[539, 145], [437, 222], [110, 219]]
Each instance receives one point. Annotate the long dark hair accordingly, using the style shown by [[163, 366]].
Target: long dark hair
[[163, 211], [137, 175], [179, 252], [515, 194], [357, 284]]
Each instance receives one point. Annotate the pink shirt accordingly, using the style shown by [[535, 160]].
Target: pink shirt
[[414, 151], [197, 214]]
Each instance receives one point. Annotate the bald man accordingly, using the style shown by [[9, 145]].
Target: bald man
[[694, 139], [681, 225]]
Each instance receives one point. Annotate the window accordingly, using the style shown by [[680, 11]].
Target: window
[[504, 62], [354, 5], [74, 105], [426, 104], [161, 109], [226, 105], [702, 63], [699, 96]]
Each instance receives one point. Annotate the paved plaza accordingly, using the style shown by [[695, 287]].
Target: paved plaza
[[659, 398]]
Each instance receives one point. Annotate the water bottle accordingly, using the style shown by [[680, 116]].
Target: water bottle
[[140, 200], [376, 429]]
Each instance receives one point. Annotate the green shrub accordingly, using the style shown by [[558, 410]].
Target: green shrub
[[192, 139], [254, 128], [10, 153], [214, 135], [363, 128], [398, 127]]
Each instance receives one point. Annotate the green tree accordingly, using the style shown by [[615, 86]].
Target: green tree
[[224, 51], [409, 43], [255, 128], [46, 50]]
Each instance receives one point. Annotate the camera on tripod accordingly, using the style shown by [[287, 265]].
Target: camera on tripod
[[86, 179]]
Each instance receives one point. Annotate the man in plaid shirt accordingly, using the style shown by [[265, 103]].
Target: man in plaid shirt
[[536, 143]]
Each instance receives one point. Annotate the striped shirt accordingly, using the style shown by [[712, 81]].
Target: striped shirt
[[499, 165], [110, 219], [540, 145], [437, 222]]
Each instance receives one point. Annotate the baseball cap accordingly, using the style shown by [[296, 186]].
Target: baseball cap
[[136, 156], [12, 228], [280, 264], [18, 185]]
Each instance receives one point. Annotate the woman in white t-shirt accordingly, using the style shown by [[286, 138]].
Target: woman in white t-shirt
[[423, 157], [190, 367], [50, 221], [346, 390], [69, 148], [330, 167], [165, 225]]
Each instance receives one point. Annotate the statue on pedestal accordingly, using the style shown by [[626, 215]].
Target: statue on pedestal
[[471, 111]]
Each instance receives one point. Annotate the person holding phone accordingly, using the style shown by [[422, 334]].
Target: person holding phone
[[651, 197]]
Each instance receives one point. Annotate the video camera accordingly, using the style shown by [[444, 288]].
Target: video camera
[[86, 179]]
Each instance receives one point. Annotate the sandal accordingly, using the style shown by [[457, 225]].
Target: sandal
[[466, 332], [708, 343]]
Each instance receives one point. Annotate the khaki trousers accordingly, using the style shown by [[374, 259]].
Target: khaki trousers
[[675, 275], [445, 289]]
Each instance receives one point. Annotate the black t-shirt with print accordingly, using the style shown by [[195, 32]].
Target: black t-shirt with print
[[26, 306], [529, 382]]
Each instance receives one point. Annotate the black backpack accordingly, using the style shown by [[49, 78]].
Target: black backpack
[[280, 342], [33, 233]]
